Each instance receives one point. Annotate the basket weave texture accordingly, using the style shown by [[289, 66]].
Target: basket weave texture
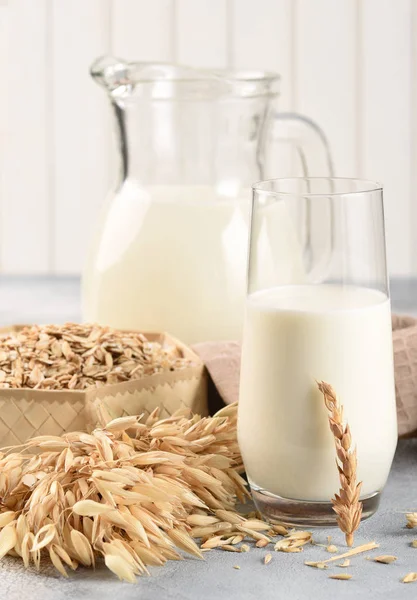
[[27, 412]]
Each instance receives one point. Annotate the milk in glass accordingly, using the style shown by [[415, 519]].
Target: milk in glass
[[295, 335]]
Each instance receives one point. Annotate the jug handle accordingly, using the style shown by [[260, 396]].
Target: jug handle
[[309, 140], [316, 160]]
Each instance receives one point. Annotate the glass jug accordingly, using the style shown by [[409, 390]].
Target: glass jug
[[170, 251]]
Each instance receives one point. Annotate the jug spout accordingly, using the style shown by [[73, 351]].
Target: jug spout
[[109, 71]]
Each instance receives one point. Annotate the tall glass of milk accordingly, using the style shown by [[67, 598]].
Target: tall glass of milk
[[321, 312]]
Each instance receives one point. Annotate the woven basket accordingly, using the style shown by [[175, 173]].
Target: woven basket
[[404, 333], [26, 412]]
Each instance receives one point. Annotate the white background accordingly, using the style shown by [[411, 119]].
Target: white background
[[349, 64]]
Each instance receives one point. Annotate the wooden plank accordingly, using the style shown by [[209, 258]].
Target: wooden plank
[[386, 118], [4, 121], [201, 33], [413, 157], [261, 38], [325, 74], [80, 121], [25, 201], [143, 30]]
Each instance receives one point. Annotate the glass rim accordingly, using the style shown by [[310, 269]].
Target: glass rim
[[367, 186]]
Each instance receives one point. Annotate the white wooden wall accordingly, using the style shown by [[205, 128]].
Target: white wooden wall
[[349, 64]]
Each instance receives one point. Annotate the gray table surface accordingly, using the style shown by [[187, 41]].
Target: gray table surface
[[57, 300]]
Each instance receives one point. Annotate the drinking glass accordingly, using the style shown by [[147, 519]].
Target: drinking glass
[[317, 309]]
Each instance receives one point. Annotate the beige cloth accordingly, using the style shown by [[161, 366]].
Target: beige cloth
[[222, 360], [405, 361]]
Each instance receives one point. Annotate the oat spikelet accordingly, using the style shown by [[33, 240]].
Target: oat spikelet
[[293, 542], [346, 504], [411, 520]]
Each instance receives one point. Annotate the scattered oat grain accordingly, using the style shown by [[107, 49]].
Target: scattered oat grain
[[409, 578], [230, 548], [316, 565], [280, 529], [411, 520], [386, 559], [345, 563]]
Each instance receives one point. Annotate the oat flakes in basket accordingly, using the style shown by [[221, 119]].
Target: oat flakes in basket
[[60, 378]]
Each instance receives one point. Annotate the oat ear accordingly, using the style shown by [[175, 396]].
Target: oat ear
[[130, 500], [345, 504]]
